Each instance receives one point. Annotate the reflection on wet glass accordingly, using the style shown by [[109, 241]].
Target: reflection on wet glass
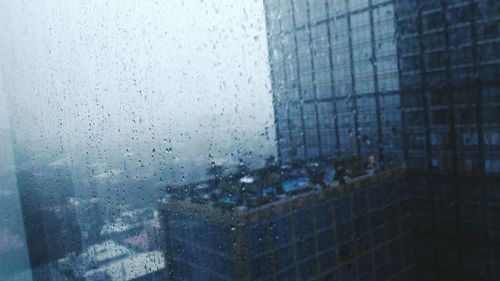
[[259, 140]]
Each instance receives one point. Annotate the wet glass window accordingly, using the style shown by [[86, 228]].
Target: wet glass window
[[249, 140]]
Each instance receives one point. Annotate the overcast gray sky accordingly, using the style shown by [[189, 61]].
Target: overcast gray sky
[[100, 75]]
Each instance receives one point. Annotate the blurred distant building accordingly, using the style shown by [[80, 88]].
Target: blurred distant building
[[139, 228], [334, 72], [355, 232], [91, 226], [106, 261], [50, 220]]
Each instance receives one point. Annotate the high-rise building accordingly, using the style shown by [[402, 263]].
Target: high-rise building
[[396, 225], [360, 231], [363, 77], [334, 77], [450, 100], [421, 78], [449, 74]]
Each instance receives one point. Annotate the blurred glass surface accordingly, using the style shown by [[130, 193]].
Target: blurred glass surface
[[250, 140]]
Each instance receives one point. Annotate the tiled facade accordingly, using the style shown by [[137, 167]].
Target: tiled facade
[[334, 75], [361, 231], [449, 73], [406, 81], [397, 225]]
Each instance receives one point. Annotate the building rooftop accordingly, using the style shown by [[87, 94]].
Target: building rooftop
[[295, 192]]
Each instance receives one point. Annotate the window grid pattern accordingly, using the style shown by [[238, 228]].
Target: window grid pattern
[[326, 40], [456, 67]]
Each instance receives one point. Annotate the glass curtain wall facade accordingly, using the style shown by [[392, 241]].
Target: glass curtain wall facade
[[334, 75], [449, 84]]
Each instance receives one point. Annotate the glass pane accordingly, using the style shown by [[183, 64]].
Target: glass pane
[[251, 140]]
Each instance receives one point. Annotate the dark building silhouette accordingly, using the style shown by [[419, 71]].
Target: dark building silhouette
[[449, 69], [50, 221], [449, 74], [455, 226]]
